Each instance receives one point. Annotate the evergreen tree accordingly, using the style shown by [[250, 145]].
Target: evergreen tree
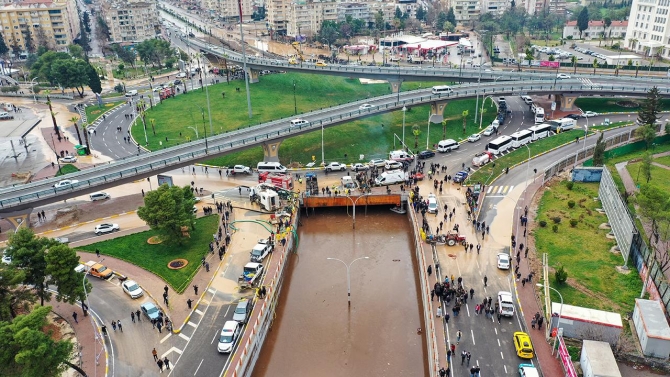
[[599, 151], [28, 40], [3, 46], [648, 113], [583, 21], [94, 80], [451, 17]]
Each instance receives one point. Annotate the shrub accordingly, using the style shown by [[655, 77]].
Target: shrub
[[573, 222], [561, 275], [554, 228], [543, 223], [118, 88], [557, 220], [571, 204], [569, 185]]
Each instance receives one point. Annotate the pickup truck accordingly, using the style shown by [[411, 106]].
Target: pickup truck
[[261, 250], [250, 275], [98, 270]]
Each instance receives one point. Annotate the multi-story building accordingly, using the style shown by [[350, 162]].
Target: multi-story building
[[56, 21], [649, 28], [305, 18], [131, 21], [229, 10], [466, 10], [596, 29], [497, 7], [357, 11], [549, 6], [277, 15]]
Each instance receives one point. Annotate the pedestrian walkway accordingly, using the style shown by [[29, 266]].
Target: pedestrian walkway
[[499, 190]]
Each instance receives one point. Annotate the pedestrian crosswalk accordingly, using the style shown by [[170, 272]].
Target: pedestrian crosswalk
[[499, 190], [587, 81]]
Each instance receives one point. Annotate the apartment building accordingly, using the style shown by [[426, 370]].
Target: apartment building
[[54, 20], [466, 10], [131, 21], [596, 29], [228, 10], [648, 28], [497, 7], [549, 6]]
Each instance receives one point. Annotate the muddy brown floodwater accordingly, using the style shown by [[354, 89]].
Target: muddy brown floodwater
[[314, 334]]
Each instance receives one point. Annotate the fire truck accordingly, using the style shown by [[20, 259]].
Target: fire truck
[[278, 180], [166, 93]]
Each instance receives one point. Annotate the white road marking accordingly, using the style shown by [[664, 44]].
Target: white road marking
[[502, 357], [166, 338], [505, 366], [198, 368], [216, 335], [198, 311], [192, 324], [175, 349], [211, 290], [499, 343], [473, 336], [181, 335]]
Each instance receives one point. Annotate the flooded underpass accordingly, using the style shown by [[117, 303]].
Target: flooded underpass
[[316, 334]]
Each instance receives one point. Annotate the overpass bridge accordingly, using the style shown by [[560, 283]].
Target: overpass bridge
[[395, 75], [17, 201]]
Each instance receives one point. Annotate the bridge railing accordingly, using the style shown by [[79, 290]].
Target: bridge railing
[[184, 154]]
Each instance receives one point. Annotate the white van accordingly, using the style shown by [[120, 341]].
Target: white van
[[505, 304], [131, 93], [400, 156], [299, 123], [272, 167], [442, 89], [99, 196], [392, 165], [447, 145], [495, 124], [391, 178]]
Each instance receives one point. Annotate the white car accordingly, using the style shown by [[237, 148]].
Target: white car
[[132, 289], [489, 131], [503, 261], [131, 93], [562, 76], [432, 204], [106, 228], [474, 138], [241, 169], [336, 166], [68, 159], [358, 167], [66, 183], [376, 163], [589, 114], [392, 165], [229, 334], [6, 259], [365, 106]]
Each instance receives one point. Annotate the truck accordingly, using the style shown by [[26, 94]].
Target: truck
[[279, 180], [561, 125], [98, 270], [311, 183], [483, 158], [250, 275], [267, 198], [261, 250], [348, 183], [391, 178]]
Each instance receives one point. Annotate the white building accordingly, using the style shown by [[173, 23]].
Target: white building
[[357, 11], [497, 7], [466, 10], [648, 28], [540, 6], [131, 21], [596, 29]]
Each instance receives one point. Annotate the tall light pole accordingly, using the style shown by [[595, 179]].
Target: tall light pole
[[323, 155], [353, 202], [404, 110], [244, 58], [481, 112], [348, 266], [32, 88], [479, 80], [204, 128], [558, 324], [95, 328], [295, 103]]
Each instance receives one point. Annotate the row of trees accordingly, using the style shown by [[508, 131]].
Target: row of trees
[[37, 263], [66, 70]]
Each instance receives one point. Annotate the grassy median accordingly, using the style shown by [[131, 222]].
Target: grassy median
[[66, 169], [272, 98], [134, 249], [94, 112], [583, 250]]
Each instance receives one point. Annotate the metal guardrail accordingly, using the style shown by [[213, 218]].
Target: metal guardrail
[[188, 153]]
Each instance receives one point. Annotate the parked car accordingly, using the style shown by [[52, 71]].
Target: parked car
[[359, 167], [229, 334], [460, 176], [426, 154], [377, 163], [66, 183], [242, 311], [132, 289], [241, 169], [131, 93], [336, 166], [573, 116], [589, 114], [106, 228], [392, 165], [150, 310], [523, 345], [503, 261], [474, 138], [489, 131], [68, 159]]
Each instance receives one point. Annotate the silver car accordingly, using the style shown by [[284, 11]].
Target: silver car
[[242, 311]]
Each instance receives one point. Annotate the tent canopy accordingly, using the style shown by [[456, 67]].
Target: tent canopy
[[429, 45]]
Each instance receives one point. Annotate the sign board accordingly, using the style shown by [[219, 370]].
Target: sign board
[[565, 359], [164, 179], [546, 63], [361, 157], [553, 106]]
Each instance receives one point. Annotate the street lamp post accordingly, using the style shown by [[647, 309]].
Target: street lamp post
[[481, 112], [204, 127], [95, 328], [558, 323], [32, 89], [323, 153], [244, 58], [295, 103], [348, 266], [55, 151], [404, 110]]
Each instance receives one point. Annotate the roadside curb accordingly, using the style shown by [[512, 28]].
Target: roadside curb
[[86, 222]]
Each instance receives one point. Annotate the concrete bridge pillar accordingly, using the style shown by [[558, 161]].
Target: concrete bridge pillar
[[395, 85], [18, 218], [437, 111], [566, 102], [271, 150], [253, 75]]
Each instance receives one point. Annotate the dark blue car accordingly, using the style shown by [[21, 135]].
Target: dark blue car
[[460, 176]]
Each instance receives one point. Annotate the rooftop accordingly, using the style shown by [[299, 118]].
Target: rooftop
[[600, 23]]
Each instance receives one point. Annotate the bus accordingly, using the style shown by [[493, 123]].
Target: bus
[[521, 138], [540, 131], [539, 115], [442, 89], [499, 145]]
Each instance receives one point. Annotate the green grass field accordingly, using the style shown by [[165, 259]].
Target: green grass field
[[665, 160], [487, 172], [659, 177], [584, 250], [94, 112], [66, 169], [154, 258], [272, 98], [610, 105]]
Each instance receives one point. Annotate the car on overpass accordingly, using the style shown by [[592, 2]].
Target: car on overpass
[[528, 370], [64, 184], [242, 311], [106, 228], [503, 261], [365, 106], [562, 76]]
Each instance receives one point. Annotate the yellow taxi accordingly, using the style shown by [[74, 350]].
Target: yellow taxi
[[523, 345], [321, 64]]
